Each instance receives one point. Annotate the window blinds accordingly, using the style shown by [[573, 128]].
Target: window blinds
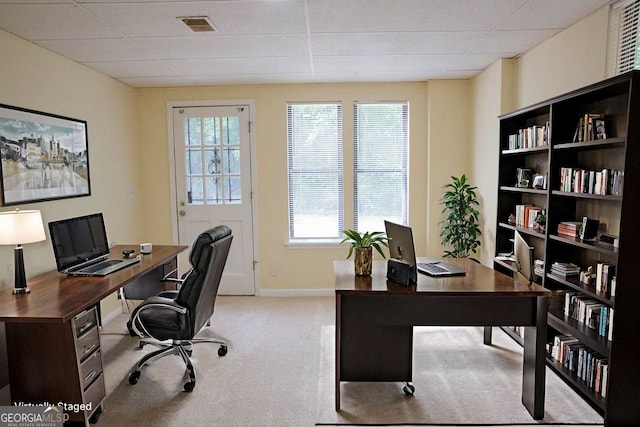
[[381, 145], [314, 151], [628, 56]]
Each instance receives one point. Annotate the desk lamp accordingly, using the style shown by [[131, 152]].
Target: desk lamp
[[16, 228]]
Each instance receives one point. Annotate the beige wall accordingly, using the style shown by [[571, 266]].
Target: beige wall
[[573, 58], [37, 79], [314, 264]]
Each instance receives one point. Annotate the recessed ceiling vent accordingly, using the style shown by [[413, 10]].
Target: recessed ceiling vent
[[198, 24]]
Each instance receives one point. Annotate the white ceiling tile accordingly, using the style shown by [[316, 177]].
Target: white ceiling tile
[[216, 46], [51, 21], [289, 41], [535, 14], [88, 50], [408, 15], [240, 65], [133, 68], [159, 19], [395, 43], [511, 43]]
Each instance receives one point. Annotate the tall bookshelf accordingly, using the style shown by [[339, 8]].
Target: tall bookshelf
[[617, 100]]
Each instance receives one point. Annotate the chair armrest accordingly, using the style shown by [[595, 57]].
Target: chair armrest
[[156, 302]]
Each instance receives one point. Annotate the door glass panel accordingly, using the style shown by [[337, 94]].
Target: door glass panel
[[214, 191], [195, 192], [212, 130], [213, 160], [232, 190], [231, 130], [232, 156], [192, 131], [212, 154], [194, 161]]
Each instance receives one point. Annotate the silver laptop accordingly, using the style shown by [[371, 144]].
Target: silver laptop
[[401, 247], [81, 248]]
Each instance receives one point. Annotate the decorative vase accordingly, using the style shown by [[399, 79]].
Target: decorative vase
[[362, 261]]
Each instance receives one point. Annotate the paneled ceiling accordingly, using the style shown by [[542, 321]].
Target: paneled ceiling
[[144, 44]]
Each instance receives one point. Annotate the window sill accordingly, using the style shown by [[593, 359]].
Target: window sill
[[313, 243]]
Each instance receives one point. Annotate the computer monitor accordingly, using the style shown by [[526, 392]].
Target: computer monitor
[[523, 254], [78, 240], [400, 242]]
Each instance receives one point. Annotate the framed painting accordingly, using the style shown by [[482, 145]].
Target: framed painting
[[44, 156]]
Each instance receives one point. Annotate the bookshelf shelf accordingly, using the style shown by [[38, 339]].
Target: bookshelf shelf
[[601, 247], [574, 123]]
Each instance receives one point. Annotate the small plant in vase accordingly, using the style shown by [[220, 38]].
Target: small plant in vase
[[362, 244]]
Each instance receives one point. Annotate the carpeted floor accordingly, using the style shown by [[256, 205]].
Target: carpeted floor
[[279, 372], [458, 381]]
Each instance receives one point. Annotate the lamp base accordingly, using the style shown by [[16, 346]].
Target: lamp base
[[24, 290]]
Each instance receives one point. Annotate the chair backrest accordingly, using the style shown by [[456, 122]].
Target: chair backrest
[[199, 290]]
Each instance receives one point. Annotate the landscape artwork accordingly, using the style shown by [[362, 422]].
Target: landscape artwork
[[44, 156]]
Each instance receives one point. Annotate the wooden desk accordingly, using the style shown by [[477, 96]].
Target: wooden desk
[[375, 319], [52, 334]]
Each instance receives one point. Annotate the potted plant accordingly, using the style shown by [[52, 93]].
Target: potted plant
[[460, 228], [362, 244]]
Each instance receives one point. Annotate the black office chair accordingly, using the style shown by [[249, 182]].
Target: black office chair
[[179, 315]]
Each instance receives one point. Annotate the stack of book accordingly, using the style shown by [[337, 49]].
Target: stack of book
[[569, 228], [538, 267], [526, 215], [565, 269]]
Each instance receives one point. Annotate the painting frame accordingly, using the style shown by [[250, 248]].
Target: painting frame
[[43, 156]]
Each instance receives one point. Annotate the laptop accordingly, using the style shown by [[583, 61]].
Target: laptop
[[81, 248], [401, 247]]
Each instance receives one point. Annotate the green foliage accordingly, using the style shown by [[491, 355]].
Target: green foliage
[[460, 229], [377, 239]]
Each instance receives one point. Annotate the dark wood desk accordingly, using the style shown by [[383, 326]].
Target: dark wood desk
[[375, 319], [52, 333]]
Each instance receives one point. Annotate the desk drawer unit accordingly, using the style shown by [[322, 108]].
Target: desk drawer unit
[[89, 359]]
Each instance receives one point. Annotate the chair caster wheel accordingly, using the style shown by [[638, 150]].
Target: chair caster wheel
[[222, 350], [133, 377], [188, 387], [409, 389]]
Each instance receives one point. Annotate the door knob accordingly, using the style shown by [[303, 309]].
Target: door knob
[[182, 213]]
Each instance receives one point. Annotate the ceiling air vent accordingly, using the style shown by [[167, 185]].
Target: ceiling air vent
[[198, 24]]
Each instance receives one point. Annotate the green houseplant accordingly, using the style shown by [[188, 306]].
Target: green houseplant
[[460, 228], [362, 244]]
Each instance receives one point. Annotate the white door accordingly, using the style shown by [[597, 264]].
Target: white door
[[213, 184]]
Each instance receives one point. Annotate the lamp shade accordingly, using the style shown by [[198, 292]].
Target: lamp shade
[[18, 227]]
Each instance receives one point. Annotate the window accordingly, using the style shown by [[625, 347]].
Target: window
[[625, 22], [314, 150], [381, 143]]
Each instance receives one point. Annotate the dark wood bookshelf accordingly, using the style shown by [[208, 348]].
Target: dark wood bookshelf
[[618, 99]]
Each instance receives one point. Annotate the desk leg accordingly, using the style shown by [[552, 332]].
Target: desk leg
[[534, 364], [488, 335]]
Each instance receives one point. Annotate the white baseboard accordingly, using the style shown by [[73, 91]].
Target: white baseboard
[[297, 292]]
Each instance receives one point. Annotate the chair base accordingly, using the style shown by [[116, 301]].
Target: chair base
[[184, 348]]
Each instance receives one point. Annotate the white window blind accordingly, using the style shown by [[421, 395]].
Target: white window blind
[[314, 149], [381, 142], [628, 55]]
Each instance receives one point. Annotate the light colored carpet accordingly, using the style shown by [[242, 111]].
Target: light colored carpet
[[458, 381], [271, 375]]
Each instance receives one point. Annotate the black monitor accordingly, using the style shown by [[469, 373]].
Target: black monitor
[[78, 240]]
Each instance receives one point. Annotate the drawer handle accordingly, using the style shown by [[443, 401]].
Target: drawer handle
[[89, 349], [85, 327], [90, 376]]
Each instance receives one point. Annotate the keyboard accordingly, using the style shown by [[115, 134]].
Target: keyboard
[[99, 266], [431, 268]]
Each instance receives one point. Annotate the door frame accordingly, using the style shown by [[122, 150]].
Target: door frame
[[252, 148]]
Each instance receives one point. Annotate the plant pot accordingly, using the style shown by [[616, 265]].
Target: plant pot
[[363, 261]]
